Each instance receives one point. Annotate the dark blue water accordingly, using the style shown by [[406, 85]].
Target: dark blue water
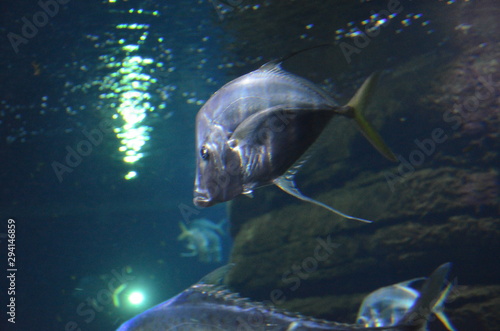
[[80, 221]]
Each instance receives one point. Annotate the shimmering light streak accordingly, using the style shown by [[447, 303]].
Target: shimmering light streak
[[128, 88]]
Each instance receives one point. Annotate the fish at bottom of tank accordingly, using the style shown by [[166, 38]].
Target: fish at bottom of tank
[[210, 306], [387, 305]]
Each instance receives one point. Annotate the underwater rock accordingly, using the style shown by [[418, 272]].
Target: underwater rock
[[440, 113]]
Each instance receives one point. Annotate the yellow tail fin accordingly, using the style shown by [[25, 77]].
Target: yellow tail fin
[[358, 103]]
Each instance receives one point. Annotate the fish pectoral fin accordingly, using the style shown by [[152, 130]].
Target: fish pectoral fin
[[288, 185]]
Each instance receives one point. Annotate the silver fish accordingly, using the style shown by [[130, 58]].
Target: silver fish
[[388, 305], [257, 129], [208, 306], [203, 239]]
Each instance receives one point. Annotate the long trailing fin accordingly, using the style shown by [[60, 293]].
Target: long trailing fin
[[418, 315], [277, 62], [355, 108], [288, 185]]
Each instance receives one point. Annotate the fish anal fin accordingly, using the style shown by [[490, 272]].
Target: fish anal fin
[[288, 185]]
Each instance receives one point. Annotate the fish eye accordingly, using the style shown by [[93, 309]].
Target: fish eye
[[204, 153]]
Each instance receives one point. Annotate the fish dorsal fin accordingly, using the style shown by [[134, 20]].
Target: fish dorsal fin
[[217, 276], [418, 314], [276, 64], [288, 185], [272, 66], [407, 283], [185, 231]]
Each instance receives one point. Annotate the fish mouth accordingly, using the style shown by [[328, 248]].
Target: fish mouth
[[202, 201]]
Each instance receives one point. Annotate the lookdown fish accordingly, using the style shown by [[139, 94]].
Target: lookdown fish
[[203, 239], [257, 129], [388, 305], [209, 306]]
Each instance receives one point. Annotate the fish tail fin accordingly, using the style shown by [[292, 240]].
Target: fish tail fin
[[419, 314], [439, 309], [356, 106], [222, 226], [446, 322]]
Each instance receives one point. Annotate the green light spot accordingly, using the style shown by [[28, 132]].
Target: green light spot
[[136, 298]]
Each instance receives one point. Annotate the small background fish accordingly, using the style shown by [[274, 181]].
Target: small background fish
[[203, 239]]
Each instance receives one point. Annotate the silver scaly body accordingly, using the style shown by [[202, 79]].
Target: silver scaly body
[[257, 129], [211, 307]]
